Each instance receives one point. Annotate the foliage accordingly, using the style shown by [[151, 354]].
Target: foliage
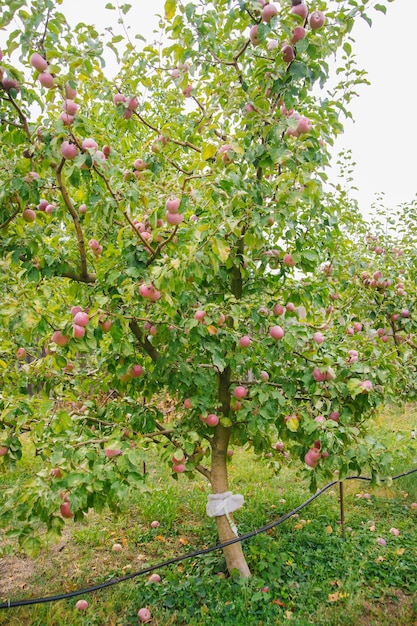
[[238, 134]]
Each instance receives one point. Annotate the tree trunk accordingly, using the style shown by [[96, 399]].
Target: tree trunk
[[233, 554]]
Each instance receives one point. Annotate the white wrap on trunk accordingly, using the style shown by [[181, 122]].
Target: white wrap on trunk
[[223, 504]]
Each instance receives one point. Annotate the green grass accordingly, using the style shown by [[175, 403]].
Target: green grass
[[314, 575]]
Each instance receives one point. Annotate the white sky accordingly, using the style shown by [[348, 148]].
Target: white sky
[[384, 134]]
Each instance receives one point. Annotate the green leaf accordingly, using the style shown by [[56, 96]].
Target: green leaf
[[170, 8], [381, 7], [208, 151]]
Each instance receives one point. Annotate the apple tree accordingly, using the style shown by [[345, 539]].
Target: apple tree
[[168, 239]]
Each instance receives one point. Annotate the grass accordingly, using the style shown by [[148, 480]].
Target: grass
[[304, 571]]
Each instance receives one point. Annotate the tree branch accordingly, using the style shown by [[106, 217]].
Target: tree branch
[[143, 340]]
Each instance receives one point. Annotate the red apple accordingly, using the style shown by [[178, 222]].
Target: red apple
[[78, 331], [81, 318], [268, 12], [136, 371], [29, 215], [110, 452], [155, 524], [133, 103], [312, 457], [3, 450], [65, 510], [178, 468], [20, 353], [154, 578], [70, 107], [212, 419], [172, 204], [244, 341], [300, 10], [334, 416], [316, 20], [288, 53], [46, 80], [81, 605], [318, 375], [144, 615], [55, 472], [318, 338], [254, 35], [240, 392], [89, 143], [278, 309], [117, 547], [38, 62], [264, 376], [59, 338], [199, 315], [174, 218], [69, 150], [276, 332], [298, 33], [187, 403], [70, 92]]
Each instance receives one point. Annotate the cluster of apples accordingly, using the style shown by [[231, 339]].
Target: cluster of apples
[[172, 215], [69, 150], [148, 291], [129, 104], [80, 321], [95, 247], [315, 20], [40, 64]]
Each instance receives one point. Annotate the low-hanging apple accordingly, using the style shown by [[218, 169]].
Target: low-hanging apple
[[276, 332], [65, 510], [38, 62], [240, 392], [81, 318], [46, 80], [212, 419], [316, 20]]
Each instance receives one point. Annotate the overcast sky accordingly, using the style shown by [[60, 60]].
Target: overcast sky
[[383, 135]]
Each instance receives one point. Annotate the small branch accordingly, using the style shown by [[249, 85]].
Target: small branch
[[4, 121], [185, 144], [89, 278], [42, 41], [22, 117], [90, 441], [80, 236], [162, 245], [143, 340], [10, 218]]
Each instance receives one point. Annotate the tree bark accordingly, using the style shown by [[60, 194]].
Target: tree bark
[[233, 554], [235, 559]]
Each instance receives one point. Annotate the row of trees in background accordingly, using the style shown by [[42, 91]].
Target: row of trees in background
[[169, 234]]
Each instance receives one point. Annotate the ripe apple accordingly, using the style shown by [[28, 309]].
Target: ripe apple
[[29, 215], [70, 107], [81, 318], [110, 452], [136, 371], [199, 315], [290, 307], [154, 578], [300, 10], [178, 468], [357, 327], [55, 472], [174, 218], [366, 386], [65, 509], [187, 403], [278, 309], [244, 341], [334, 415], [254, 35], [10, 83], [144, 615], [70, 92], [155, 524], [312, 457], [78, 331], [318, 375], [279, 445], [276, 332], [117, 547], [81, 605], [119, 98], [316, 20], [212, 419], [67, 119], [127, 114], [172, 204], [89, 143], [20, 353], [298, 33], [133, 103], [288, 53], [240, 392], [405, 313], [268, 12], [187, 91], [3, 450], [59, 338], [46, 80], [318, 338], [264, 376], [304, 125], [38, 62], [69, 150]]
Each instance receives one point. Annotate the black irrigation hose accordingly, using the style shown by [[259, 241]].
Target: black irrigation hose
[[189, 555]]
